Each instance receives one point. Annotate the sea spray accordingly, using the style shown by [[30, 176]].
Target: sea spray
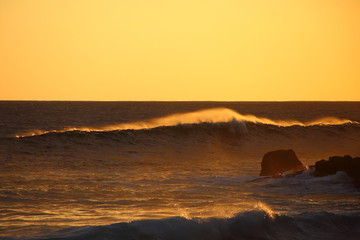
[[215, 115]]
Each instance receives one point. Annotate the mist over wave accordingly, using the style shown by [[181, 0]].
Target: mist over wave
[[220, 127], [216, 115]]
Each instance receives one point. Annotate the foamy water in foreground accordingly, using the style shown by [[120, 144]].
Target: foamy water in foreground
[[152, 170]]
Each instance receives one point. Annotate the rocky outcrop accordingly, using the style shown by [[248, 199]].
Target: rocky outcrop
[[277, 162], [347, 164]]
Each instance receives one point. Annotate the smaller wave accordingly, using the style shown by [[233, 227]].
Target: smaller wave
[[255, 224], [306, 183], [215, 115]]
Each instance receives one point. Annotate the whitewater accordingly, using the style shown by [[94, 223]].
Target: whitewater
[[174, 170]]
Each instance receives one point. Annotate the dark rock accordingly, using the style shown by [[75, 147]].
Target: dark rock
[[277, 162], [347, 164]]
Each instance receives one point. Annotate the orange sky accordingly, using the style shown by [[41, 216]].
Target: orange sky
[[229, 50]]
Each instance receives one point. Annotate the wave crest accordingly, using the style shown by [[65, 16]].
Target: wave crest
[[215, 115], [254, 224]]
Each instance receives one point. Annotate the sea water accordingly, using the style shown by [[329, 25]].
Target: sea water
[[174, 170]]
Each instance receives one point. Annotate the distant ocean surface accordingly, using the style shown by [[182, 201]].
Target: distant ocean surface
[[174, 170]]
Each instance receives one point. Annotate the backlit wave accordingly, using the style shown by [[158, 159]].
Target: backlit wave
[[215, 115]]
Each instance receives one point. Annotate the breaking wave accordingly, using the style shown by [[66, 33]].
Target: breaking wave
[[215, 115], [255, 224]]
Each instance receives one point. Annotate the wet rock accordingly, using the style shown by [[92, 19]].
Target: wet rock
[[277, 162], [346, 163]]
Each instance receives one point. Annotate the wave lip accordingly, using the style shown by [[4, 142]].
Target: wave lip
[[215, 115], [256, 224]]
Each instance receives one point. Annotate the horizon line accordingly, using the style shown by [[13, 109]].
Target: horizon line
[[179, 100]]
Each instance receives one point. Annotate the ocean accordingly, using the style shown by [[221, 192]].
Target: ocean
[[174, 170]]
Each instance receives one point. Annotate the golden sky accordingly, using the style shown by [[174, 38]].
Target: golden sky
[[224, 50]]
